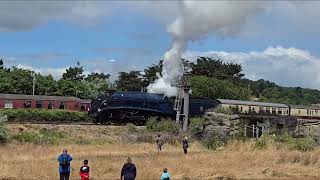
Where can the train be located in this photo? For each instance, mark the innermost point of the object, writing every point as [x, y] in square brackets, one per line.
[138, 107]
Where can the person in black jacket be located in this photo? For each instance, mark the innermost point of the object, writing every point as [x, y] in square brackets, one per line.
[185, 145]
[128, 171]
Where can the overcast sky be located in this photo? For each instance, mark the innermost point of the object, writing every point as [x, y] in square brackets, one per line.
[279, 42]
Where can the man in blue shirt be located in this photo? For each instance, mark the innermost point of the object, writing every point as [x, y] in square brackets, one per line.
[64, 165]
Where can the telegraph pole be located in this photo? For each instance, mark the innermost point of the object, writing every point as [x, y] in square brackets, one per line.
[33, 83]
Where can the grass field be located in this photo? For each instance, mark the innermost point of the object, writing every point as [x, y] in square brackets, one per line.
[237, 160]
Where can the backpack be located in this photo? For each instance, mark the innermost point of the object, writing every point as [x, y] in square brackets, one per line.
[65, 162]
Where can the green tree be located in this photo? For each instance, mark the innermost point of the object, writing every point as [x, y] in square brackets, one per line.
[96, 84]
[129, 81]
[5, 82]
[151, 71]
[210, 67]
[74, 73]
[215, 88]
[1, 64]
[45, 85]
[21, 80]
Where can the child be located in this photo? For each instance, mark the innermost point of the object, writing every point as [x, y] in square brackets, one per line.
[165, 175]
[84, 171]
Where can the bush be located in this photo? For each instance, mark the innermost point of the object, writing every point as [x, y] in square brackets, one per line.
[163, 125]
[44, 136]
[303, 144]
[214, 141]
[223, 110]
[285, 141]
[196, 127]
[4, 133]
[44, 115]
[262, 142]
[131, 127]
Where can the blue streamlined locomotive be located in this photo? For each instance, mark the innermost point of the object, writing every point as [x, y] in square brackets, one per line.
[137, 107]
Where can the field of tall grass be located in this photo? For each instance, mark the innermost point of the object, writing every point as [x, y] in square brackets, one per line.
[31, 152]
[237, 160]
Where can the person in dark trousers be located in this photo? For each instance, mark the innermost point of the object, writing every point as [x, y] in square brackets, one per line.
[84, 171]
[185, 145]
[128, 171]
[64, 165]
[159, 142]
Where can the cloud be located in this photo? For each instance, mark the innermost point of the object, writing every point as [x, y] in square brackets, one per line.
[43, 56]
[55, 72]
[25, 15]
[285, 66]
[124, 50]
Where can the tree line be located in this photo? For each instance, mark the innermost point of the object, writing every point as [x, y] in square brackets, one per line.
[208, 77]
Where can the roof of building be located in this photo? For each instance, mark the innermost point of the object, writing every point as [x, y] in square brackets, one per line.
[37, 97]
[305, 107]
[252, 103]
[86, 101]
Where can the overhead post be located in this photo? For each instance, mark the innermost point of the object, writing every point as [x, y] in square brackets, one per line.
[186, 108]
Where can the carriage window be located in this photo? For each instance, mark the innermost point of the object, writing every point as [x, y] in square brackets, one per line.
[50, 105]
[241, 109]
[268, 109]
[299, 112]
[8, 105]
[62, 105]
[279, 110]
[274, 110]
[260, 108]
[38, 104]
[27, 104]
[249, 108]
[307, 112]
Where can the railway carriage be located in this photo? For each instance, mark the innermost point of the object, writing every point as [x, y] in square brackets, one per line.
[252, 107]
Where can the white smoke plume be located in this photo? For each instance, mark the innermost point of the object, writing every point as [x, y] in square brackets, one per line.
[196, 20]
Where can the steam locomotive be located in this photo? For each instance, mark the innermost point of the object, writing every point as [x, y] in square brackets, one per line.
[138, 107]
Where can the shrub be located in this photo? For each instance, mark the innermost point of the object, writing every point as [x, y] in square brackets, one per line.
[303, 144]
[4, 132]
[262, 142]
[214, 141]
[196, 127]
[163, 125]
[44, 115]
[131, 127]
[45, 136]
[223, 110]
[25, 137]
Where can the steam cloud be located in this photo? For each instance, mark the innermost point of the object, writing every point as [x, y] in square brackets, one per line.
[195, 21]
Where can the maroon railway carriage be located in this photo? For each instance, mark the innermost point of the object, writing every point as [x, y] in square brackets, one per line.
[16, 101]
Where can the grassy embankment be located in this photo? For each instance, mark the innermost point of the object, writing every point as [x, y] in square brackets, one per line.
[107, 147]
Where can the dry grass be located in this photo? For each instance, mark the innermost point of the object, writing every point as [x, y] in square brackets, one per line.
[237, 160]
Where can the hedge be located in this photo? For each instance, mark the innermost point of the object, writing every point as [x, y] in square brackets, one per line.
[44, 115]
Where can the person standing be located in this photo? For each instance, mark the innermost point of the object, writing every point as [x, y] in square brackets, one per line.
[185, 145]
[84, 171]
[159, 142]
[128, 171]
[165, 174]
[64, 165]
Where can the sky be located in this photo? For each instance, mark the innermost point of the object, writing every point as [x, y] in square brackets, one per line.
[279, 41]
